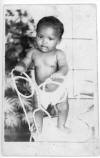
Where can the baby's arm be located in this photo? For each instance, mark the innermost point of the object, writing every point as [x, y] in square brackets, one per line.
[62, 65]
[62, 70]
[24, 64]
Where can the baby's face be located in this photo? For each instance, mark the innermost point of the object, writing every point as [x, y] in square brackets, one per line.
[47, 39]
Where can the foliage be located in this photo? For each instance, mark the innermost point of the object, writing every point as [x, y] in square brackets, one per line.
[13, 112]
[19, 38]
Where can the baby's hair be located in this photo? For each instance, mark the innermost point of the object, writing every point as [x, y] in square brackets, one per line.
[52, 21]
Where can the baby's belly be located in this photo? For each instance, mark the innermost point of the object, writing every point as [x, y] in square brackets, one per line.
[43, 73]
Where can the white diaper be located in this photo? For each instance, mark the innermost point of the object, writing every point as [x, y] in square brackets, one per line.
[57, 96]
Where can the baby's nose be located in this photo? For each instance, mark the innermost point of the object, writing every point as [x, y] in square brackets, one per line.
[44, 41]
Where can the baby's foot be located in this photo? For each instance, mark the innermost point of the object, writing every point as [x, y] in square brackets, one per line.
[65, 129]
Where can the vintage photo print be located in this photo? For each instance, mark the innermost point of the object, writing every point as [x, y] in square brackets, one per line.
[50, 91]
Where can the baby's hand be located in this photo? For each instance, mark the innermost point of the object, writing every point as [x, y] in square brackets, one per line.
[56, 77]
[20, 68]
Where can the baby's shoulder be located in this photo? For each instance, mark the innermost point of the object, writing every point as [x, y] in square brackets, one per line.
[60, 52]
[32, 52]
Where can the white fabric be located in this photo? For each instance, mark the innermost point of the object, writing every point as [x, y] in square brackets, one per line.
[54, 97]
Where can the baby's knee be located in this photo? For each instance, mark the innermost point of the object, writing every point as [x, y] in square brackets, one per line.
[62, 106]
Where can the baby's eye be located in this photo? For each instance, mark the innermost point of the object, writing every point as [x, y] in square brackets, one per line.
[50, 38]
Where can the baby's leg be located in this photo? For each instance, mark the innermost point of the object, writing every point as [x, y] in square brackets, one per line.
[39, 120]
[37, 125]
[63, 109]
[38, 116]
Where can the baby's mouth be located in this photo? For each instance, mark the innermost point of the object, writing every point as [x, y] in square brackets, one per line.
[44, 47]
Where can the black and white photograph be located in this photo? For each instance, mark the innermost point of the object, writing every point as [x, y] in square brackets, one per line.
[50, 80]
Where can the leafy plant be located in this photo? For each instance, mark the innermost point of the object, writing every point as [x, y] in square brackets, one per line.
[19, 38]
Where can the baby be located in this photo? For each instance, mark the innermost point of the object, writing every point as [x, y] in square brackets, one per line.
[48, 61]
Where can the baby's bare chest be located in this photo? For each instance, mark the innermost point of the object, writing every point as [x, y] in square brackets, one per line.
[45, 60]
